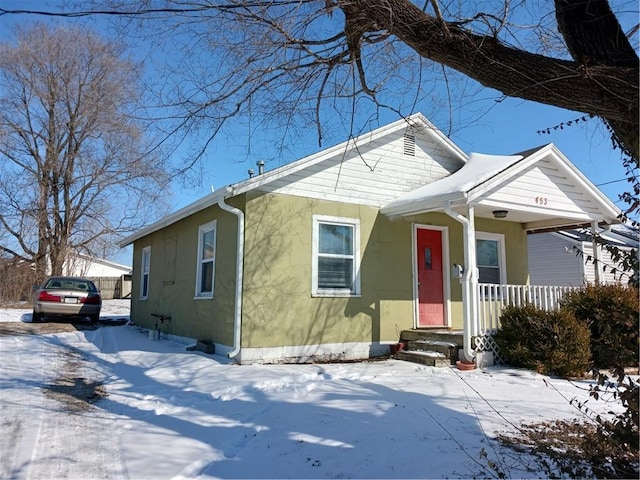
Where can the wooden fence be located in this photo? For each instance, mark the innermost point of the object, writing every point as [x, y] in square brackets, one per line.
[113, 287]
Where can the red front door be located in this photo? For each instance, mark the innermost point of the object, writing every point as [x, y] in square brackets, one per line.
[430, 278]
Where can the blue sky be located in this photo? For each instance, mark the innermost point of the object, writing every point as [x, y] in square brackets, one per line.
[507, 127]
[491, 124]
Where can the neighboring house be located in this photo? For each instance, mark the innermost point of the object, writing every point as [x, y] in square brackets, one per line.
[333, 255]
[86, 266]
[568, 257]
[112, 279]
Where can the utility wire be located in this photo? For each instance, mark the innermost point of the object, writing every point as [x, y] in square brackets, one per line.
[612, 181]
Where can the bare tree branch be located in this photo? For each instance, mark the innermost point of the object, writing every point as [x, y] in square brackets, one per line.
[280, 45]
[69, 147]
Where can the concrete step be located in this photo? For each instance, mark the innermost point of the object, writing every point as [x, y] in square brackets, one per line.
[452, 336]
[448, 349]
[424, 357]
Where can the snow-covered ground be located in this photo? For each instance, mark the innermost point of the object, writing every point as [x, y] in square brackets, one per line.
[165, 412]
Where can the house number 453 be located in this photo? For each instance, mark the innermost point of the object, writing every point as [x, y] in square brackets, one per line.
[541, 200]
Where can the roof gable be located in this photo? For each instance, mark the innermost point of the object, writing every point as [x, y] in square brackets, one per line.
[373, 172]
[85, 265]
[370, 169]
[541, 188]
[547, 184]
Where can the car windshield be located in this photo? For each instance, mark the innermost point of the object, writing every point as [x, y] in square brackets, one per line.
[70, 284]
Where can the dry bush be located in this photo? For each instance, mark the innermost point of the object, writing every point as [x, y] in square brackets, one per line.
[547, 342]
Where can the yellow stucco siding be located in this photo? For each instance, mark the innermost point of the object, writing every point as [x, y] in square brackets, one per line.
[172, 278]
[279, 308]
[456, 255]
[515, 238]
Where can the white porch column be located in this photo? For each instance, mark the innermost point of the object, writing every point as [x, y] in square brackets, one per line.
[469, 279]
[472, 261]
[597, 256]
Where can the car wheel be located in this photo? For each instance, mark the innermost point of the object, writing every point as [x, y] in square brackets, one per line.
[36, 317]
[94, 318]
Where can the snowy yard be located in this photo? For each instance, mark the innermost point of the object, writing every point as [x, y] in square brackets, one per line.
[112, 403]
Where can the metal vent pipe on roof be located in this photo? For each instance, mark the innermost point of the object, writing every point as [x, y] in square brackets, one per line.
[260, 165]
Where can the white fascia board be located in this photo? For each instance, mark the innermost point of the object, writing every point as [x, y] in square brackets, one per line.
[270, 176]
[621, 239]
[566, 236]
[608, 206]
[280, 172]
[608, 209]
[425, 205]
[201, 204]
[109, 263]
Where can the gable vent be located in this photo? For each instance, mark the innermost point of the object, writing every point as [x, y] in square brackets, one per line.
[410, 145]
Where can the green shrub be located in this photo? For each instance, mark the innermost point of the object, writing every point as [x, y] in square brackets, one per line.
[611, 311]
[547, 342]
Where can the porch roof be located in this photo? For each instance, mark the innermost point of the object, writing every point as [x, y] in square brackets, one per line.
[539, 188]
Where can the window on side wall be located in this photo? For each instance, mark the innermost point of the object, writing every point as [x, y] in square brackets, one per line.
[490, 258]
[144, 275]
[206, 260]
[336, 256]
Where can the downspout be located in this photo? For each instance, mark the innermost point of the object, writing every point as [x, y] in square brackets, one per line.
[469, 280]
[237, 321]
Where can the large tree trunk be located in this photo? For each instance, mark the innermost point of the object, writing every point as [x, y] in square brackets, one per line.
[606, 90]
[593, 35]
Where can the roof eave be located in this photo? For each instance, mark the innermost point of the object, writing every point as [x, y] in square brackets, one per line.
[430, 204]
[205, 202]
[280, 172]
[610, 212]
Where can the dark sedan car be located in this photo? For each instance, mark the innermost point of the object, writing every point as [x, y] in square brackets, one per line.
[66, 297]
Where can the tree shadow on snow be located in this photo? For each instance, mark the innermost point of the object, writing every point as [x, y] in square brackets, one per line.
[285, 427]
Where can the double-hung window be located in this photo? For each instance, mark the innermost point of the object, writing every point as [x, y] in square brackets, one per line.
[144, 273]
[490, 258]
[206, 260]
[335, 267]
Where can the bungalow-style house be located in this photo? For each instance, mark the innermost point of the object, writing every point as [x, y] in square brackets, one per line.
[332, 256]
[571, 258]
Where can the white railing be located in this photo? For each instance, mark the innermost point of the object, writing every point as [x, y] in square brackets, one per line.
[492, 298]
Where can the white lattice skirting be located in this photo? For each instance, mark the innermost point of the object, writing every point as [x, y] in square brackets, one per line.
[485, 343]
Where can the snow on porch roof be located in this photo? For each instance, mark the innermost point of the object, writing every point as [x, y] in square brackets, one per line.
[478, 169]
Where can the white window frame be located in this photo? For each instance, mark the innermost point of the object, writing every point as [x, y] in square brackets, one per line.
[202, 229]
[145, 270]
[335, 292]
[502, 259]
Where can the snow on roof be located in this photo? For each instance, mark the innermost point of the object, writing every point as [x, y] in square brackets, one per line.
[617, 235]
[103, 261]
[478, 169]
[626, 231]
